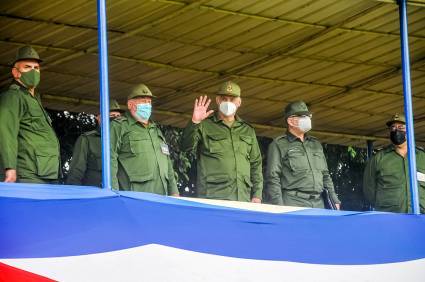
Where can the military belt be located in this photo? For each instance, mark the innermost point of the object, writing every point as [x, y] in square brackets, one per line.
[304, 195]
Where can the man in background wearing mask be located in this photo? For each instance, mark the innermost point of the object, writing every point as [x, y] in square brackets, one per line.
[386, 176]
[29, 148]
[86, 163]
[297, 171]
[140, 156]
[228, 155]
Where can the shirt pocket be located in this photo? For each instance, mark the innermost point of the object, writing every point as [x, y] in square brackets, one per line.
[217, 143]
[47, 163]
[390, 189]
[218, 186]
[297, 160]
[245, 145]
[95, 162]
[319, 160]
[389, 196]
[38, 120]
[136, 144]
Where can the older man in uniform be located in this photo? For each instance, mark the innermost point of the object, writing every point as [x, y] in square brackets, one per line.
[297, 171]
[86, 163]
[140, 156]
[29, 148]
[228, 155]
[386, 176]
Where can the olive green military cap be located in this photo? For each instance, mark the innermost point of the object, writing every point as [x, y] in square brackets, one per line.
[296, 108]
[26, 53]
[396, 118]
[229, 88]
[140, 90]
[114, 106]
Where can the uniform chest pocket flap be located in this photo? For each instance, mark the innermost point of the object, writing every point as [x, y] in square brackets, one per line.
[216, 143]
[38, 120]
[139, 144]
[319, 160]
[245, 144]
[297, 160]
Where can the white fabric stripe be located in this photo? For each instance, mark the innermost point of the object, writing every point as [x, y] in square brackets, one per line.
[245, 205]
[160, 263]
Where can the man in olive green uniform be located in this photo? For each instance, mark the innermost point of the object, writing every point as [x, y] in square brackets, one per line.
[86, 163]
[228, 155]
[386, 176]
[140, 156]
[297, 171]
[29, 148]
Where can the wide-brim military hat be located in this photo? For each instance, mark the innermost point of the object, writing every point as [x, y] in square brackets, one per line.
[26, 53]
[396, 118]
[140, 90]
[229, 88]
[115, 107]
[297, 108]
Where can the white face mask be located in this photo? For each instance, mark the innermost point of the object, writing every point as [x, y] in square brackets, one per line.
[304, 124]
[227, 108]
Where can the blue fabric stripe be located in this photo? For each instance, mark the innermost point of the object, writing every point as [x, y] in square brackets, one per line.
[66, 225]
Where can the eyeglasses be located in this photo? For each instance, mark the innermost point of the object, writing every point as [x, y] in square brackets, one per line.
[397, 126]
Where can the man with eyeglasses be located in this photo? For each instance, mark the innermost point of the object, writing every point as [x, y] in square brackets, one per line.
[297, 172]
[385, 180]
[29, 148]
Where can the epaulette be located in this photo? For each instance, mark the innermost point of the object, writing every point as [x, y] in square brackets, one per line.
[384, 149]
[14, 87]
[280, 137]
[313, 137]
[120, 119]
[247, 123]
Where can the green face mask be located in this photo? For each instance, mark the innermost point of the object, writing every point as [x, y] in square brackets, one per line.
[30, 78]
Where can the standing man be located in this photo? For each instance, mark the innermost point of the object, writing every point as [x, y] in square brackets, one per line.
[29, 148]
[386, 176]
[86, 163]
[140, 156]
[228, 155]
[297, 171]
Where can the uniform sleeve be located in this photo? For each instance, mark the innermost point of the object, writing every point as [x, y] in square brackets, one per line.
[11, 112]
[369, 181]
[115, 137]
[328, 183]
[172, 185]
[78, 164]
[256, 170]
[273, 175]
[190, 137]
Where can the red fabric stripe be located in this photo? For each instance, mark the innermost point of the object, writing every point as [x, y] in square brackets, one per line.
[12, 274]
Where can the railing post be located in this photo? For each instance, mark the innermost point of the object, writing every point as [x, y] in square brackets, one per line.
[405, 61]
[104, 93]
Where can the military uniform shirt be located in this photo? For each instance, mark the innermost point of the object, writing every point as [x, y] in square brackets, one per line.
[228, 159]
[86, 163]
[28, 142]
[297, 169]
[386, 181]
[140, 158]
